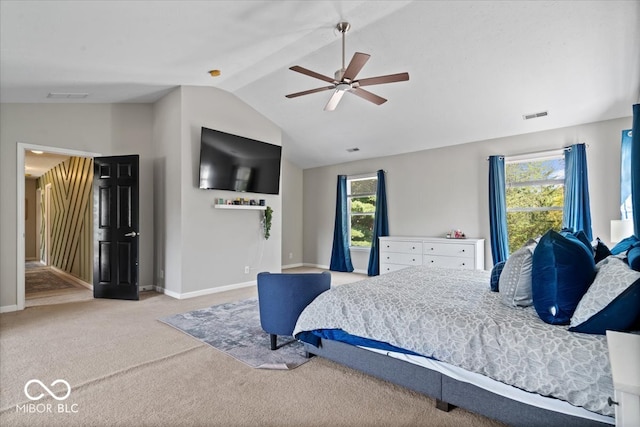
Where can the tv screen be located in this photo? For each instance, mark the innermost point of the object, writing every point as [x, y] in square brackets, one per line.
[235, 163]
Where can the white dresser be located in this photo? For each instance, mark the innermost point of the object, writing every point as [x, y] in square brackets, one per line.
[397, 252]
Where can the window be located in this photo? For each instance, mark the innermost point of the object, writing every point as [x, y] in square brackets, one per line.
[535, 196]
[361, 194]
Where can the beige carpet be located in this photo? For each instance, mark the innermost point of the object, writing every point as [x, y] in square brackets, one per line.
[126, 368]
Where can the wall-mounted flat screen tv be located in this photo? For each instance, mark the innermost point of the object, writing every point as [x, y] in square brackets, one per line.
[235, 163]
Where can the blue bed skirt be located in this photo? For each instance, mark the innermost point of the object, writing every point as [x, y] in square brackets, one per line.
[313, 338]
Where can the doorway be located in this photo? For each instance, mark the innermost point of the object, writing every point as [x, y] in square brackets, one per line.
[22, 148]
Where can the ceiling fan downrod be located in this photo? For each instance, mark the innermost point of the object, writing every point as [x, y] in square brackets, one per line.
[343, 27]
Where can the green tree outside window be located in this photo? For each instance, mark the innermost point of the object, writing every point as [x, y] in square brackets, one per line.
[535, 198]
[362, 206]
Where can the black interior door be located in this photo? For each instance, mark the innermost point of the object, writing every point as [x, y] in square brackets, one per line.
[115, 227]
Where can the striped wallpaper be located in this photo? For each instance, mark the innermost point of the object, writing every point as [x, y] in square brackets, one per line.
[71, 217]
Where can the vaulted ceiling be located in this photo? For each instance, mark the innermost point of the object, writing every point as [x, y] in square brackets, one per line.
[476, 67]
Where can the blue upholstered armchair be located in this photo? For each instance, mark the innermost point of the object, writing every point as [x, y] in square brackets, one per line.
[282, 297]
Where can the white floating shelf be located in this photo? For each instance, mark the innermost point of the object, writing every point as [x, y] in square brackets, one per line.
[247, 207]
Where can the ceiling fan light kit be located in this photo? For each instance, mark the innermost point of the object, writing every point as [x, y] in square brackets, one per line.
[345, 78]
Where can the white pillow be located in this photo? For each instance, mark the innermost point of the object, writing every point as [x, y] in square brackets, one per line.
[515, 280]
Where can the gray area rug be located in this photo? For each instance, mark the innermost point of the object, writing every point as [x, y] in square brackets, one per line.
[234, 328]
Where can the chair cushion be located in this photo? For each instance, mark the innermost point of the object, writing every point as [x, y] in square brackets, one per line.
[283, 296]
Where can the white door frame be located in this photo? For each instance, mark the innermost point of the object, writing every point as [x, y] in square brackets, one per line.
[21, 148]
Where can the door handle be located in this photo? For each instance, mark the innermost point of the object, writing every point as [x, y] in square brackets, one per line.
[132, 234]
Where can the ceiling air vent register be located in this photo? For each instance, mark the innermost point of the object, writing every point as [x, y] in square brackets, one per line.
[535, 115]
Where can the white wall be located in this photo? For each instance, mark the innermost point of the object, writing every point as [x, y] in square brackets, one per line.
[292, 190]
[206, 248]
[195, 247]
[99, 128]
[167, 117]
[432, 191]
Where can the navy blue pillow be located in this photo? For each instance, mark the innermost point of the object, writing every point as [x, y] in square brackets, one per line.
[619, 315]
[496, 271]
[602, 251]
[562, 271]
[580, 236]
[633, 257]
[624, 245]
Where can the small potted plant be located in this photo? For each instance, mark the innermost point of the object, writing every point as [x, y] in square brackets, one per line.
[268, 214]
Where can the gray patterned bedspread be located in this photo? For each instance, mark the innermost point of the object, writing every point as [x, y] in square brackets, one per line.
[452, 316]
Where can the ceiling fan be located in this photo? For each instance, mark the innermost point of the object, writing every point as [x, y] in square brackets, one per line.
[345, 78]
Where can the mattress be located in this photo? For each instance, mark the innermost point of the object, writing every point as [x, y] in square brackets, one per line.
[451, 316]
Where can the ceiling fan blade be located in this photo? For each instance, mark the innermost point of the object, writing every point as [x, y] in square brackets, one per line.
[310, 73]
[356, 64]
[334, 100]
[368, 96]
[391, 78]
[307, 92]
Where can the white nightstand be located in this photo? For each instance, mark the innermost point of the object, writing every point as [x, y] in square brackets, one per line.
[624, 356]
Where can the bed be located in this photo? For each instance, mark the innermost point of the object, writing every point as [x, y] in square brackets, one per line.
[443, 333]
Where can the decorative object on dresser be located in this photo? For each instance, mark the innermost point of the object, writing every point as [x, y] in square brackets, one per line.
[397, 252]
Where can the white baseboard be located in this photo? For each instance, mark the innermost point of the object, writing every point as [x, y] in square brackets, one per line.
[299, 264]
[203, 292]
[8, 308]
[326, 267]
[72, 278]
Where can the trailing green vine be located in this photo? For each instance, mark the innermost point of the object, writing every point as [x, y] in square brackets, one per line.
[268, 213]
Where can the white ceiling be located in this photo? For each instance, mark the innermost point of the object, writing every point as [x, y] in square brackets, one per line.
[475, 66]
[36, 165]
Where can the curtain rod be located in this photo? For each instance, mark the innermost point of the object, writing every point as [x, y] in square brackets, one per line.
[540, 153]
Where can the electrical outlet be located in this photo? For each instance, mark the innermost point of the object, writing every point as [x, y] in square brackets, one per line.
[246, 269]
[290, 255]
[161, 274]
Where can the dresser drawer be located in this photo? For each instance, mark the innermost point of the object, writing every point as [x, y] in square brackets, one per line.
[398, 258]
[400, 246]
[449, 249]
[388, 268]
[449, 262]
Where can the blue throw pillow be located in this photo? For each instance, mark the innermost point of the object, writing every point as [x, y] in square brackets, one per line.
[562, 271]
[601, 251]
[579, 236]
[612, 301]
[624, 245]
[633, 257]
[496, 271]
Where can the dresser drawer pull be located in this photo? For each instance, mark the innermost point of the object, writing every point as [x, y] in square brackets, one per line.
[431, 261]
[463, 250]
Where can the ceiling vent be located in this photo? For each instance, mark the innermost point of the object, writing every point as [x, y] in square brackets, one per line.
[67, 95]
[353, 150]
[535, 115]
